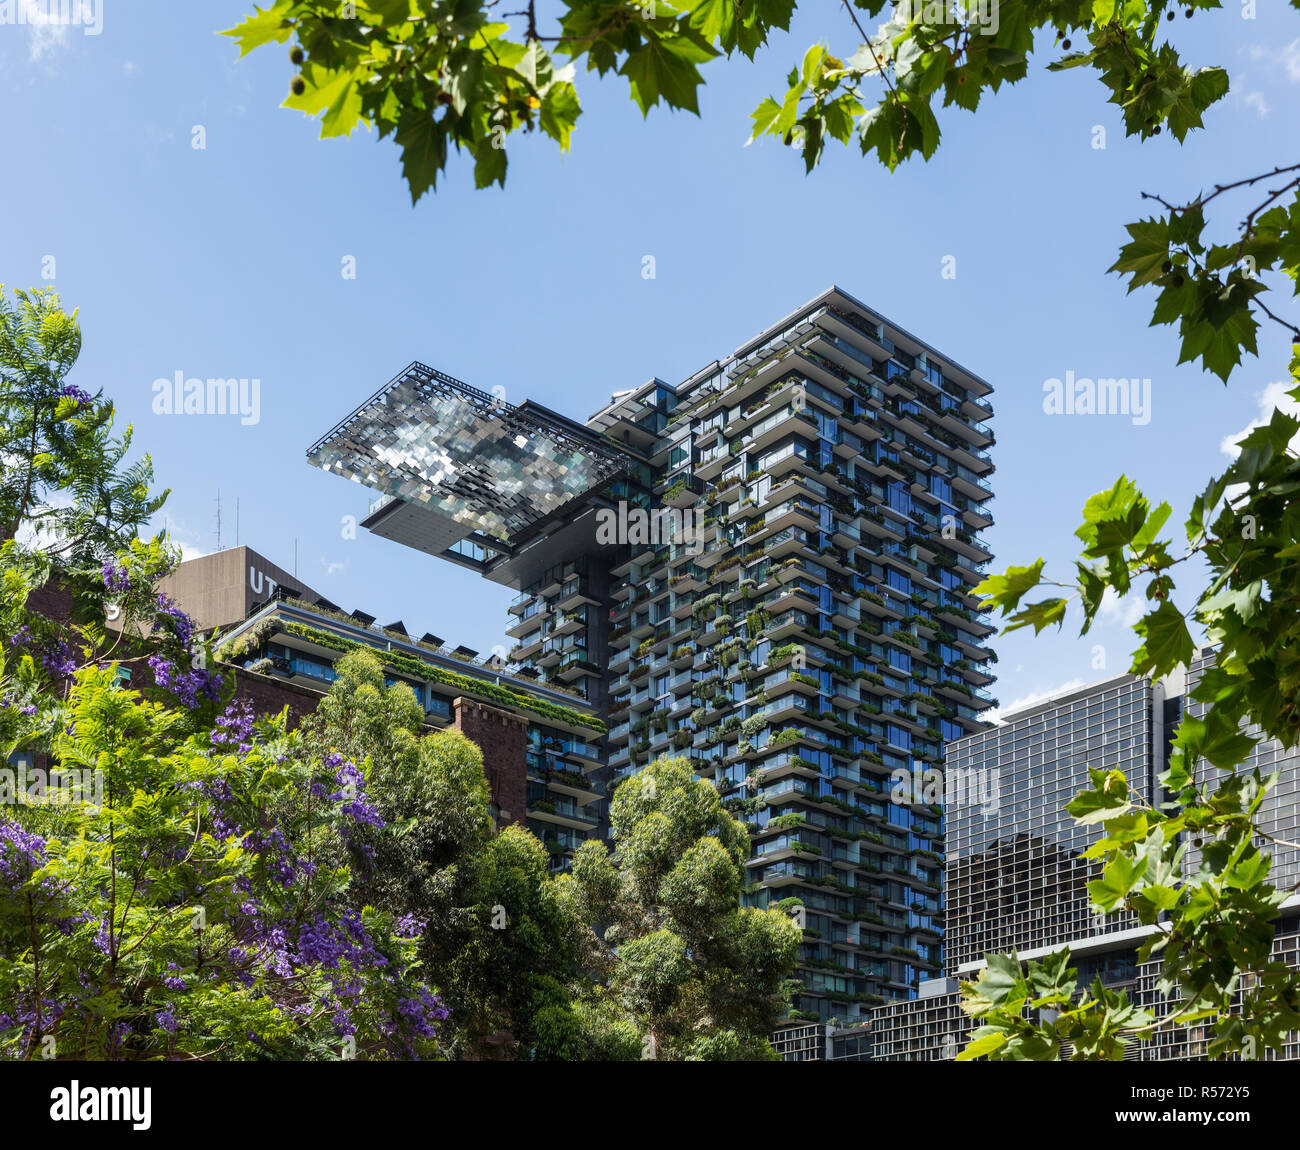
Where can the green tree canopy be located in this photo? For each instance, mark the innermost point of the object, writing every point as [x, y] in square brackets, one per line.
[503, 934]
[698, 975]
[62, 482]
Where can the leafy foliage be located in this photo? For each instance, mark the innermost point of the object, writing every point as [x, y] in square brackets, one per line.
[181, 892]
[1212, 908]
[57, 438]
[491, 917]
[174, 878]
[443, 75]
[700, 977]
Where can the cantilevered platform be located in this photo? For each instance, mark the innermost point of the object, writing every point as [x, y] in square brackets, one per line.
[468, 474]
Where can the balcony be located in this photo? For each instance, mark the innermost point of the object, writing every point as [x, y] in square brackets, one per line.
[562, 812]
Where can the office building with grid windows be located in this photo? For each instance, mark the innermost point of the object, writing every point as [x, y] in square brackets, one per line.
[1279, 814]
[1016, 878]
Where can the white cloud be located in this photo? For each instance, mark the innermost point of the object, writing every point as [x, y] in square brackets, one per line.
[1273, 396]
[1290, 57]
[1123, 612]
[188, 550]
[179, 535]
[45, 35]
[49, 23]
[331, 567]
[995, 715]
[1256, 100]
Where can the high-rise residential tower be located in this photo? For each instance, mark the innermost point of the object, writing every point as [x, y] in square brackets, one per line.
[766, 569]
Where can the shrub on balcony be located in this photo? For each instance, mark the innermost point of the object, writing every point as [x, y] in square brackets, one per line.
[803, 1015]
[251, 640]
[780, 654]
[427, 671]
[790, 819]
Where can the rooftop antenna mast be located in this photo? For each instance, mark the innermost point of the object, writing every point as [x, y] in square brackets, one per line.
[218, 519]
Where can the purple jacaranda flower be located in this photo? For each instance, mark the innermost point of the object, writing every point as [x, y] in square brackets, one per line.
[21, 852]
[116, 578]
[58, 660]
[235, 726]
[181, 624]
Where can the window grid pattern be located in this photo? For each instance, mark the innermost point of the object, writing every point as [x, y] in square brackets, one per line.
[1279, 814]
[1016, 875]
[924, 1030]
[1188, 1043]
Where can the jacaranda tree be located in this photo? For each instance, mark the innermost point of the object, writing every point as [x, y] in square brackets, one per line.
[173, 876]
[502, 932]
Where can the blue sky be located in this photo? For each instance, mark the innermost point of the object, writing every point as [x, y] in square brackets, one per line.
[226, 261]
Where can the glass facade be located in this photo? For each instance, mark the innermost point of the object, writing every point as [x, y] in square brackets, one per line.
[1017, 878]
[491, 467]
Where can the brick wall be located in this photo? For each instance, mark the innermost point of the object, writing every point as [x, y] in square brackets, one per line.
[502, 737]
[269, 696]
[52, 600]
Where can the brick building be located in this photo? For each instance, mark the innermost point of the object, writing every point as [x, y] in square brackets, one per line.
[541, 744]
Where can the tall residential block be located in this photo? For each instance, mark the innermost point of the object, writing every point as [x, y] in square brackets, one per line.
[765, 568]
